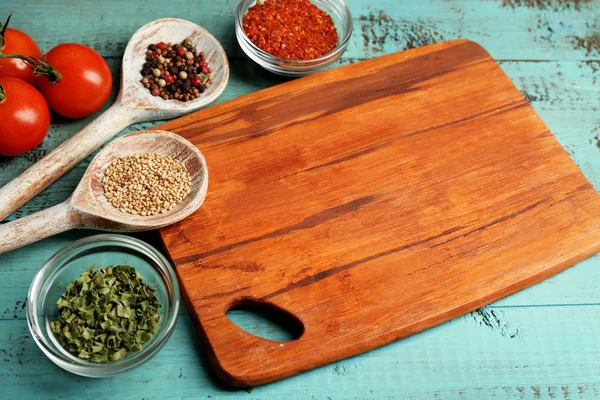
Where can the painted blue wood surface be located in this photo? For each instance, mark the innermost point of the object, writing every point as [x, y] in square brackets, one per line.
[541, 343]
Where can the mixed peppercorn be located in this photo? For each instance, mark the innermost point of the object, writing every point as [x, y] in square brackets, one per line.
[176, 71]
[290, 29]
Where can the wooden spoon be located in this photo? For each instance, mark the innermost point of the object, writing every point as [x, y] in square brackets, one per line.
[134, 104]
[89, 208]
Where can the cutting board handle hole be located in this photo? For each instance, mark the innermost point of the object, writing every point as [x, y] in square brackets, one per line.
[265, 320]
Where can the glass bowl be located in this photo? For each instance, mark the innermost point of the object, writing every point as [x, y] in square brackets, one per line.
[68, 264]
[339, 12]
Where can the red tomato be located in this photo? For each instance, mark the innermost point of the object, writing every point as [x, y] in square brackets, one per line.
[25, 117]
[17, 42]
[85, 84]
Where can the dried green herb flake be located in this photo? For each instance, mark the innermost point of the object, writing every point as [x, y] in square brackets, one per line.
[105, 314]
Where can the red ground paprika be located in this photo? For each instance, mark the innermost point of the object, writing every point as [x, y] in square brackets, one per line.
[291, 29]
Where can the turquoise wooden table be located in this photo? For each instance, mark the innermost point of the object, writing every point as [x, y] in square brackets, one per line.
[541, 343]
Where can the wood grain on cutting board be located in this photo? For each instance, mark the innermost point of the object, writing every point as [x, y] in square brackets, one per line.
[371, 202]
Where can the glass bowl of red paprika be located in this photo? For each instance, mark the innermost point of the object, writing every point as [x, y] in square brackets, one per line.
[297, 63]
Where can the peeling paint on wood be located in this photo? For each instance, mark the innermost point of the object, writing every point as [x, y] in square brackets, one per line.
[590, 43]
[31, 157]
[547, 5]
[596, 139]
[383, 23]
[493, 319]
[379, 28]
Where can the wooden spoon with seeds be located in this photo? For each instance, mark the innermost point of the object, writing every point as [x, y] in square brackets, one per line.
[134, 104]
[89, 208]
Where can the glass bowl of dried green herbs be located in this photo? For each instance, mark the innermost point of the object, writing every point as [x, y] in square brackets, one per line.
[103, 305]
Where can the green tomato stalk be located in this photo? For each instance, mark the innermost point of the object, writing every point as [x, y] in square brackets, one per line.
[39, 67]
[3, 31]
[2, 94]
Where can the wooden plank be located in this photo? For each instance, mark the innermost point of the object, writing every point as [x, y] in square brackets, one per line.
[552, 356]
[573, 287]
[509, 29]
[563, 93]
[107, 26]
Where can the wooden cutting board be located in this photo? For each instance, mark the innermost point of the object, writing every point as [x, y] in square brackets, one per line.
[371, 202]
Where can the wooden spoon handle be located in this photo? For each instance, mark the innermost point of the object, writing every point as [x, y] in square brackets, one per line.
[38, 226]
[39, 176]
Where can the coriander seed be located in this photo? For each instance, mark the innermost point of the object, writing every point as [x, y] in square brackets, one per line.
[146, 184]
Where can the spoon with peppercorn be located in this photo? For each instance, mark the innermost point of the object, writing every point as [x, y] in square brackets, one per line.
[185, 69]
[172, 184]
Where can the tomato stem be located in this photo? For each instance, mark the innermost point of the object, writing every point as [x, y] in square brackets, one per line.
[39, 67]
[3, 30]
[2, 95]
